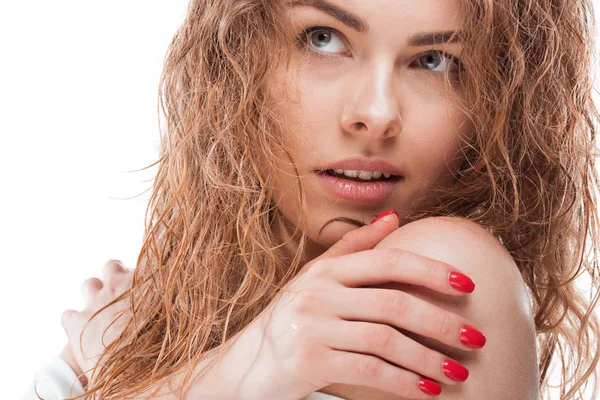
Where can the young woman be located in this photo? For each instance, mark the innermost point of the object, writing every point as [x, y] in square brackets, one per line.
[291, 124]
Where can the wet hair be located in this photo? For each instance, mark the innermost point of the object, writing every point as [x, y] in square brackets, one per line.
[210, 261]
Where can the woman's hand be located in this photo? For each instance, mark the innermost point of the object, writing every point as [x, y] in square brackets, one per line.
[335, 329]
[332, 329]
[97, 293]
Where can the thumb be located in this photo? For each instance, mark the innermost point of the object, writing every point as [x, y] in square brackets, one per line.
[366, 237]
[69, 321]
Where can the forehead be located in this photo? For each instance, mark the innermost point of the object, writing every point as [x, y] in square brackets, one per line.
[367, 16]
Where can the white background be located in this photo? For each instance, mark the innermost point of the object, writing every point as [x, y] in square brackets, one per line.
[79, 84]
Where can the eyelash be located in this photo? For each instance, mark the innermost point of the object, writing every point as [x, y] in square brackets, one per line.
[304, 36]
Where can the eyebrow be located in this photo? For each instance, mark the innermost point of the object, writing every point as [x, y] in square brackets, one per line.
[360, 25]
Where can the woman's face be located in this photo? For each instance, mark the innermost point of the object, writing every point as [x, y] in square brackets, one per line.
[365, 89]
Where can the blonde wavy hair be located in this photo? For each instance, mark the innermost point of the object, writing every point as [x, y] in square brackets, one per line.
[210, 261]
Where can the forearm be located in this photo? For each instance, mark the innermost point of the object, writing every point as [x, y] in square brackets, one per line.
[207, 379]
[238, 376]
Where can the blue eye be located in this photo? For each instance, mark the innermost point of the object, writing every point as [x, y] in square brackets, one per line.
[317, 38]
[437, 58]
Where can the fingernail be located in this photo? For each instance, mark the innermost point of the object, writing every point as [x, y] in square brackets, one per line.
[472, 337]
[383, 214]
[429, 387]
[454, 370]
[461, 282]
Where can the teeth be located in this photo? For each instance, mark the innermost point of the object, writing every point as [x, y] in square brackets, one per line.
[365, 175]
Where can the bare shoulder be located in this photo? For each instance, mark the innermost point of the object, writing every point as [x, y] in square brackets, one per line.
[499, 306]
[506, 367]
[467, 246]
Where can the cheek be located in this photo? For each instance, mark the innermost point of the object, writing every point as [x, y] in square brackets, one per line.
[305, 119]
[435, 146]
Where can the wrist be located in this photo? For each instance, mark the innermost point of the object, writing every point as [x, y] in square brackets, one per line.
[67, 355]
[227, 378]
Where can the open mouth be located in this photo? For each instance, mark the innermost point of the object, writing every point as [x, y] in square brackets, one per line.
[330, 172]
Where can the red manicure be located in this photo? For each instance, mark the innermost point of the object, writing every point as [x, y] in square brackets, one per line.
[472, 337]
[455, 371]
[383, 214]
[429, 387]
[461, 282]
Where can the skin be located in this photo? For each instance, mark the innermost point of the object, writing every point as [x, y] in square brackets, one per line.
[500, 307]
[116, 279]
[505, 368]
[374, 98]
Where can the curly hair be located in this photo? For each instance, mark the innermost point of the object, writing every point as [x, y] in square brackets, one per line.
[210, 262]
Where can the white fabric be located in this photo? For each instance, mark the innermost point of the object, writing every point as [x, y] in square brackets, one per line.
[321, 396]
[57, 381]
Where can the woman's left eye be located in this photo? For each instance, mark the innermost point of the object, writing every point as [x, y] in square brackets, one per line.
[437, 58]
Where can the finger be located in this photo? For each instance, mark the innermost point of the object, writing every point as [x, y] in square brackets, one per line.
[69, 320]
[116, 285]
[112, 267]
[364, 238]
[378, 266]
[116, 276]
[90, 288]
[366, 370]
[360, 239]
[405, 311]
[387, 343]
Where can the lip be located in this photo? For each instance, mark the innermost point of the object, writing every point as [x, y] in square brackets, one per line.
[362, 164]
[362, 192]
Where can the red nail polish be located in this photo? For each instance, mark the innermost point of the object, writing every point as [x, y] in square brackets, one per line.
[383, 214]
[472, 337]
[429, 387]
[461, 282]
[454, 370]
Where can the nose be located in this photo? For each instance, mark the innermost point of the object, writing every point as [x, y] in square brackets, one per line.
[372, 109]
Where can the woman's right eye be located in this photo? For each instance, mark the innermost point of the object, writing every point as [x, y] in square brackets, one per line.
[316, 38]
